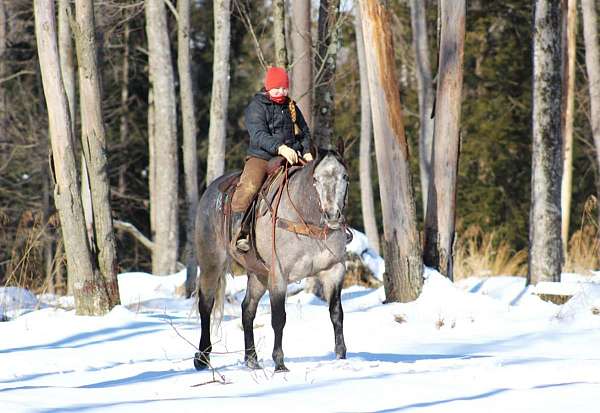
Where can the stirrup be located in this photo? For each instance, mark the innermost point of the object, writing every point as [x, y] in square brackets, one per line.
[242, 245]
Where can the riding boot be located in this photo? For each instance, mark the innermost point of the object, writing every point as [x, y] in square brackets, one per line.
[239, 232]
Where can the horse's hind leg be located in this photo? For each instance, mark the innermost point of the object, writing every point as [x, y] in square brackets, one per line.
[254, 291]
[332, 281]
[210, 290]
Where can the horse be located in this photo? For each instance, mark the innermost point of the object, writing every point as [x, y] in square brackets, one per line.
[313, 198]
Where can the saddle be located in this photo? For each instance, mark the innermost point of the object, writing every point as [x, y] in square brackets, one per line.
[251, 260]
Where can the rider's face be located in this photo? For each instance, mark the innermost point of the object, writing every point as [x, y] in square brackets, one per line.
[279, 91]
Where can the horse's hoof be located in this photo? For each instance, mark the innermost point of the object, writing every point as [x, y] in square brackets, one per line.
[201, 361]
[253, 364]
[281, 369]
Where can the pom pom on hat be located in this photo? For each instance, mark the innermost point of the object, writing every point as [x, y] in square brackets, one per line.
[276, 77]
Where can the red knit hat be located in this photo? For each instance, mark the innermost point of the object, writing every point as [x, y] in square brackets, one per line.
[276, 77]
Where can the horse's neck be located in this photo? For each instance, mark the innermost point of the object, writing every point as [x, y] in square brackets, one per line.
[304, 198]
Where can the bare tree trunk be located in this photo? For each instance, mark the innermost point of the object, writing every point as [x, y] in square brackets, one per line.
[545, 246]
[67, 60]
[123, 124]
[325, 64]
[94, 149]
[366, 128]
[302, 70]
[47, 240]
[3, 44]
[66, 194]
[153, 192]
[441, 208]
[403, 279]
[215, 164]
[425, 87]
[281, 56]
[569, 30]
[592, 63]
[166, 239]
[190, 164]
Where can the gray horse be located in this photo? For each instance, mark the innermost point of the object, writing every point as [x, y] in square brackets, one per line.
[314, 198]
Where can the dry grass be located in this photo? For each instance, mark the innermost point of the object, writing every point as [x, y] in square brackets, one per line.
[479, 254]
[584, 245]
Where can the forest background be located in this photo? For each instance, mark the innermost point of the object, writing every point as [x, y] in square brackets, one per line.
[494, 179]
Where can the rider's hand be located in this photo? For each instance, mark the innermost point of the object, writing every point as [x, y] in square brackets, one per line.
[308, 157]
[288, 153]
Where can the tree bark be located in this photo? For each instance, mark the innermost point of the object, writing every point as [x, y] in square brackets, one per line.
[281, 55]
[366, 129]
[425, 94]
[67, 60]
[592, 63]
[123, 122]
[441, 208]
[302, 67]
[215, 164]
[164, 202]
[569, 30]
[403, 279]
[545, 246]
[190, 164]
[325, 64]
[94, 149]
[3, 44]
[66, 193]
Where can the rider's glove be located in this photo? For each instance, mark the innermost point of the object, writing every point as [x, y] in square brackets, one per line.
[288, 153]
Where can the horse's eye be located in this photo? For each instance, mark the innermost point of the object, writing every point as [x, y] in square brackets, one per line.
[345, 177]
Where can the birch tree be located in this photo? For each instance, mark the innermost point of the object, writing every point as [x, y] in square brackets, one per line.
[302, 67]
[425, 93]
[190, 163]
[366, 130]
[86, 289]
[281, 55]
[215, 164]
[592, 64]
[545, 246]
[325, 64]
[94, 148]
[403, 279]
[569, 30]
[441, 201]
[164, 141]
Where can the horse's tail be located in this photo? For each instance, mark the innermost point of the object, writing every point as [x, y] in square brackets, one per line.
[219, 305]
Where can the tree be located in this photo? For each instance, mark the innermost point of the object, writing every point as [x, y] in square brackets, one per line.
[164, 141]
[592, 63]
[403, 279]
[94, 149]
[545, 249]
[215, 164]
[86, 289]
[425, 93]
[302, 70]
[441, 201]
[281, 55]
[569, 34]
[188, 118]
[325, 64]
[3, 43]
[366, 128]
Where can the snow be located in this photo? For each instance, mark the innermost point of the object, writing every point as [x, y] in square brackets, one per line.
[480, 344]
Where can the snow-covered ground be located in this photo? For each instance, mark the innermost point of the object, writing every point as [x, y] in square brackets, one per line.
[480, 345]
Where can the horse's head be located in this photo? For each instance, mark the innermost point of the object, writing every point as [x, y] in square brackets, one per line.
[330, 179]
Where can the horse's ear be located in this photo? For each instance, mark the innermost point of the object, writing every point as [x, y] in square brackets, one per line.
[341, 146]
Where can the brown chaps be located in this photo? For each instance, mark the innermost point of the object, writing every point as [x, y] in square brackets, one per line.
[253, 176]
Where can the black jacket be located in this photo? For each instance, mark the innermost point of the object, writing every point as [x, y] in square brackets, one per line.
[270, 126]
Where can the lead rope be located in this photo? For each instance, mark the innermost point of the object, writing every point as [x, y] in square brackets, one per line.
[274, 219]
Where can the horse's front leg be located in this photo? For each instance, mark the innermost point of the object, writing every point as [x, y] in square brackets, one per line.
[332, 281]
[254, 291]
[277, 292]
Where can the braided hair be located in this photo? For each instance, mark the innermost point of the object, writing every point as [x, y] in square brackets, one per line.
[292, 108]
